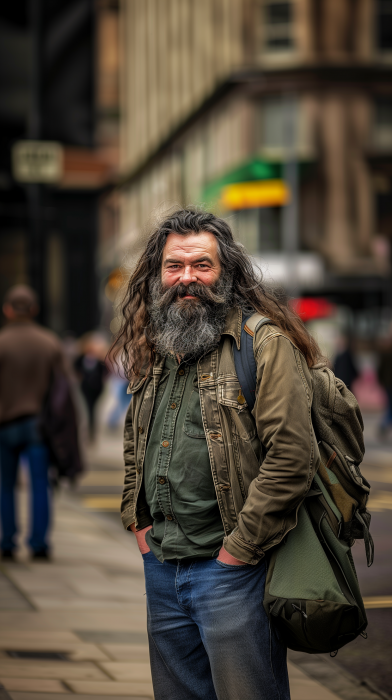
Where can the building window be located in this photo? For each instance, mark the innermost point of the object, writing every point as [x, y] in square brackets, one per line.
[278, 25]
[384, 25]
[382, 123]
[259, 230]
[280, 127]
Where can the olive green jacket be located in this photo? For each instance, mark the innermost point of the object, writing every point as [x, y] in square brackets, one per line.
[262, 462]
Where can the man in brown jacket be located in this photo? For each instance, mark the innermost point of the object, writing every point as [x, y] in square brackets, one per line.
[210, 485]
[29, 357]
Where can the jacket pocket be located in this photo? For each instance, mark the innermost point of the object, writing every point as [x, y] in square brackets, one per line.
[230, 394]
[242, 421]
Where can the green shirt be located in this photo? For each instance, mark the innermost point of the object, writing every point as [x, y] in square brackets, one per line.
[177, 476]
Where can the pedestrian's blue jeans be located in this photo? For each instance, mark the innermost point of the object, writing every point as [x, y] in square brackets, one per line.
[387, 417]
[17, 437]
[119, 388]
[209, 635]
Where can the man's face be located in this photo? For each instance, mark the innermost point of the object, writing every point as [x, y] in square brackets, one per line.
[190, 259]
[191, 298]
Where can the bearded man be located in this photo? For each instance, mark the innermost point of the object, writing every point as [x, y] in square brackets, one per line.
[211, 486]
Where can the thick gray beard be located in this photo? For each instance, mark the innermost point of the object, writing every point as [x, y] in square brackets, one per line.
[189, 329]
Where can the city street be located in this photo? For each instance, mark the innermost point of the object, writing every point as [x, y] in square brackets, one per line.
[77, 625]
[162, 164]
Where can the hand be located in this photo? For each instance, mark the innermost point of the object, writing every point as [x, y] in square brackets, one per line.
[141, 538]
[226, 558]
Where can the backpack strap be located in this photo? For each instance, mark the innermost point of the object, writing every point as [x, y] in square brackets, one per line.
[244, 359]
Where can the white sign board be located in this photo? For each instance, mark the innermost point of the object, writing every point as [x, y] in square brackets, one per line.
[305, 269]
[37, 161]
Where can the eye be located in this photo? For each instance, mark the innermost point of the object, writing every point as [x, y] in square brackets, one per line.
[203, 266]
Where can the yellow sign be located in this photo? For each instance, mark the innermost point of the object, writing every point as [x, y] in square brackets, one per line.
[251, 195]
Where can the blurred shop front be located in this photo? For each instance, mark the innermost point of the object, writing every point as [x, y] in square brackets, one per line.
[57, 152]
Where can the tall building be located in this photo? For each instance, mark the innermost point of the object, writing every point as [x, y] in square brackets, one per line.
[276, 114]
[59, 106]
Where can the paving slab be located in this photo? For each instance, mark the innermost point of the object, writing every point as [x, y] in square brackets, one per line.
[324, 670]
[304, 688]
[125, 652]
[128, 670]
[113, 637]
[20, 668]
[37, 685]
[113, 689]
[10, 597]
[11, 638]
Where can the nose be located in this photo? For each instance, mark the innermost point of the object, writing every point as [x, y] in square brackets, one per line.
[188, 276]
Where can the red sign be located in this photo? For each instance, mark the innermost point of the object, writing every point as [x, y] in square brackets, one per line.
[310, 308]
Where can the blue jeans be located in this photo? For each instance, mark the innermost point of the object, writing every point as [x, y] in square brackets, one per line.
[209, 635]
[387, 418]
[15, 438]
[119, 390]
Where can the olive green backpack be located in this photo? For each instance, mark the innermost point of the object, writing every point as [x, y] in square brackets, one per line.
[312, 596]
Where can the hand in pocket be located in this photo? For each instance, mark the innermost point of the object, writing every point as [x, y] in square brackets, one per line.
[226, 558]
[141, 538]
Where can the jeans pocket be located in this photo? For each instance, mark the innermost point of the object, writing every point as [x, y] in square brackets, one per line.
[232, 566]
[147, 553]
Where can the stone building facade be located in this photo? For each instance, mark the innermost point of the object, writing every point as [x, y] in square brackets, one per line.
[211, 86]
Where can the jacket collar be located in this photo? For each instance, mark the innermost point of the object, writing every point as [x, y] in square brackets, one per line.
[233, 325]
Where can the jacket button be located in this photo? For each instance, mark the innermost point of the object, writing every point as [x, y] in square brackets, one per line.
[165, 443]
[138, 470]
[173, 406]
[181, 372]
[141, 430]
[162, 480]
[241, 399]
[169, 517]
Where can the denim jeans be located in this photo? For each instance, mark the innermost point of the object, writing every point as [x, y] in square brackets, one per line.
[209, 635]
[387, 417]
[15, 438]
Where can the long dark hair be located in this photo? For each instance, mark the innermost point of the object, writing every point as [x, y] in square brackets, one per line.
[132, 345]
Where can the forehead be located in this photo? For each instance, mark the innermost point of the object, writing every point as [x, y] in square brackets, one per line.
[191, 245]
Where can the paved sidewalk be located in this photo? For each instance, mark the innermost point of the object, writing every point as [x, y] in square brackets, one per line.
[77, 626]
[79, 623]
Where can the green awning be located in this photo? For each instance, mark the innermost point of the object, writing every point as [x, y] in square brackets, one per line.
[255, 169]
[251, 170]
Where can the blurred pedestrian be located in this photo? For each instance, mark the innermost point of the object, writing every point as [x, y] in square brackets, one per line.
[92, 372]
[33, 395]
[344, 365]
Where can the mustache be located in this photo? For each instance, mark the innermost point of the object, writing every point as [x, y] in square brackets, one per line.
[207, 295]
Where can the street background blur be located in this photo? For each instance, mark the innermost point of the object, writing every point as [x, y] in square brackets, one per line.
[276, 115]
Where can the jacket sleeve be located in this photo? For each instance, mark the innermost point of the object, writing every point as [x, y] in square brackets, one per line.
[282, 413]
[128, 506]
[127, 503]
